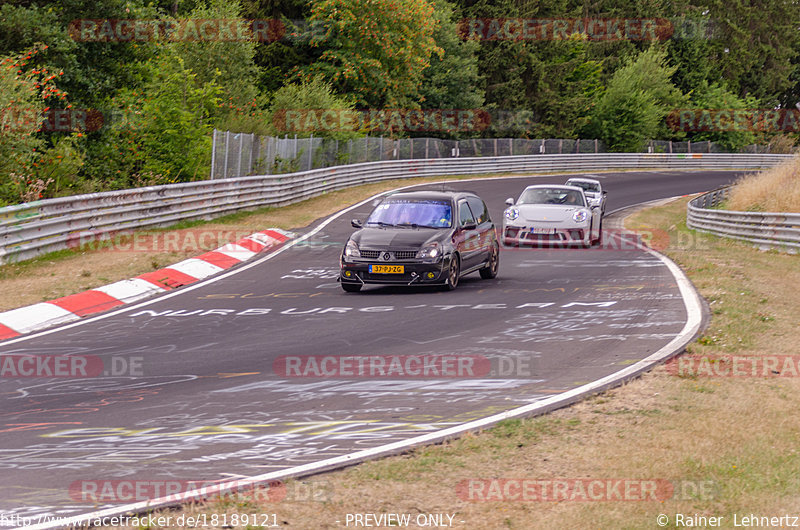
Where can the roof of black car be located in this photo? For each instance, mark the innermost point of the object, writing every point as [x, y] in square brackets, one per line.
[431, 194]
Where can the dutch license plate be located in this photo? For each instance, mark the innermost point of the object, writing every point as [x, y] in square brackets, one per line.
[386, 269]
[543, 231]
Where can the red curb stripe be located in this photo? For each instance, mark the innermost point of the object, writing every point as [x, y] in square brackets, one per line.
[277, 235]
[250, 244]
[219, 259]
[168, 278]
[86, 303]
[7, 333]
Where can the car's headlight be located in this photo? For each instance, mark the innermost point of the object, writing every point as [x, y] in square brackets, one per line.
[580, 216]
[351, 250]
[429, 251]
[512, 214]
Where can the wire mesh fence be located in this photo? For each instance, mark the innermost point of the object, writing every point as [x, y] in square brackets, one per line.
[240, 154]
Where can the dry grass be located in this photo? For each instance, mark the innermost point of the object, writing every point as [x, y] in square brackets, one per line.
[738, 435]
[773, 190]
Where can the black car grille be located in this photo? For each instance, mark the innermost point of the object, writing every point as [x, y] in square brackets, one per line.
[398, 254]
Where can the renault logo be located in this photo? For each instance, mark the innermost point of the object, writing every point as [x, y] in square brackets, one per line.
[386, 256]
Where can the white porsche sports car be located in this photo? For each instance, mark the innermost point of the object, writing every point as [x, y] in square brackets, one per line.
[593, 190]
[552, 215]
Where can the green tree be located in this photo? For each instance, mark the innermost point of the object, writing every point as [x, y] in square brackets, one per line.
[717, 97]
[634, 106]
[376, 50]
[92, 70]
[230, 64]
[293, 107]
[162, 131]
[754, 45]
[452, 81]
[27, 93]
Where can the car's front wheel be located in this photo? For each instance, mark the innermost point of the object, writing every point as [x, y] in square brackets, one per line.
[351, 287]
[599, 240]
[490, 270]
[453, 272]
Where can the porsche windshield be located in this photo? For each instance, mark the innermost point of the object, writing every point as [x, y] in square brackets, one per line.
[422, 213]
[587, 186]
[552, 196]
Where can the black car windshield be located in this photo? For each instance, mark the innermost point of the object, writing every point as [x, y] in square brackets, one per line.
[587, 186]
[427, 213]
[552, 196]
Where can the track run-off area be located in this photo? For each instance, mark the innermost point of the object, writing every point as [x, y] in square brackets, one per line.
[212, 382]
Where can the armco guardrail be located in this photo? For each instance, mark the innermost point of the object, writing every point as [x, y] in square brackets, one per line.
[767, 230]
[30, 229]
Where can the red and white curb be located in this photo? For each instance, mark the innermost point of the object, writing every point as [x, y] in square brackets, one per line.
[73, 307]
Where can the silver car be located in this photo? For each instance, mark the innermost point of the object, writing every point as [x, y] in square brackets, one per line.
[551, 215]
[593, 190]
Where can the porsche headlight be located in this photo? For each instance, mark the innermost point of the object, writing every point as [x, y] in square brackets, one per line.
[512, 214]
[429, 251]
[580, 216]
[351, 250]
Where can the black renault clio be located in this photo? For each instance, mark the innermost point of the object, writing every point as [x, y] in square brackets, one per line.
[421, 237]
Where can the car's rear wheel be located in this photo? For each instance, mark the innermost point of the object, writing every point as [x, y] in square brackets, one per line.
[351, 287]
[453, 272]
[490, 270]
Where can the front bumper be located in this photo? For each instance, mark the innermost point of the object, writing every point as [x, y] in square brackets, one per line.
[415, 272]
[556, 236]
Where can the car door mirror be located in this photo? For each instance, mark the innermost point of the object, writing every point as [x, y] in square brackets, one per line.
[605, 192]
[469, 226]
[355, 223]
[509, 202]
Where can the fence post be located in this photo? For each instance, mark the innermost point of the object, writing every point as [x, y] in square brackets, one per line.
[310, 151]
[213, 151]
[381, 148]
[270, 158]
[688, 146]
[252, 148]
[239, 164]
[227, 146]
[560, 146]
[495, 146]
[426, 147]
[595, 146]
